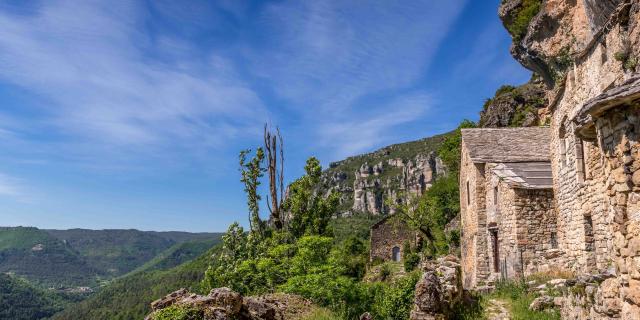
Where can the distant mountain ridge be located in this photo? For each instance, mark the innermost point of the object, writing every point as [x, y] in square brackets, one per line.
[80, 257]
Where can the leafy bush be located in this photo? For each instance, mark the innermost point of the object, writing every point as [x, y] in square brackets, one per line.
[449, 150]
[411, 261]
[179, 313]
[519, 19]
[395, 301]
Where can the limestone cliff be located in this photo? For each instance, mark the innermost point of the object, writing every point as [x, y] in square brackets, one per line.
[368, 182]
[549, 36]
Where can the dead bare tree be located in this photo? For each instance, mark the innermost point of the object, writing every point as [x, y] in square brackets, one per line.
[273, 144]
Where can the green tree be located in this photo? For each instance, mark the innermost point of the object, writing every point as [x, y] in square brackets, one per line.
[449, 151]
[251, 172]
[309, 212]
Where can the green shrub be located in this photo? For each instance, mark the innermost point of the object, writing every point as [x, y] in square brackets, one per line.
[411, 261]
[520, 17]
[385, 271]
[179, 313]
[395, 301]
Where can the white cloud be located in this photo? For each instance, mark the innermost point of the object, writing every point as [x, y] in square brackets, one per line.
[10, 187]
[373, 129]
[90, 62]
[333, 60]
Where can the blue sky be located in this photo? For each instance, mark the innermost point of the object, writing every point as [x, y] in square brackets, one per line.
[130, 114]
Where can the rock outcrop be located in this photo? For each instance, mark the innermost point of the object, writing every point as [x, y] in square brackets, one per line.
[522, 106]
[439, 289]
[369, 183]
[373, 189]
[223, 303]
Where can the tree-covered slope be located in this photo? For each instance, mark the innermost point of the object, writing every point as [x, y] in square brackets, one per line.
[117, 252]
[43, 259]
[21, 301]
[129, 297]
[84, 258]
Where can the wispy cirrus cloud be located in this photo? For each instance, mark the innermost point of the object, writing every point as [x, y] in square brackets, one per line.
[105, 85]
[11, 187]
[350, 137]
[336, 62]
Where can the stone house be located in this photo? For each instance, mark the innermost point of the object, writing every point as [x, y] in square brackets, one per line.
[588, 53]
[506, 204]
[388, 239]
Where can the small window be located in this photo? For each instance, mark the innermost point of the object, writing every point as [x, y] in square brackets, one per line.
[395, 254]
[468, 194]
[563, 152]
[495, 195]
[580, 166]
[554, 240]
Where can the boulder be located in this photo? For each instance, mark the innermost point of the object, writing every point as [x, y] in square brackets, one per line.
[169, 299]
[542, 303]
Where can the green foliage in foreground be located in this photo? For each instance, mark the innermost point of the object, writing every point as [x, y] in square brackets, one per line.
[305, 259]
[20, 300]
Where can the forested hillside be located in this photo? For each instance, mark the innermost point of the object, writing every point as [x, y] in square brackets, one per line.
[129, 297]
[21, 301]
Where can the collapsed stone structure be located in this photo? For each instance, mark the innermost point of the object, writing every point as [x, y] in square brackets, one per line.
[506, 204]
[388, 239]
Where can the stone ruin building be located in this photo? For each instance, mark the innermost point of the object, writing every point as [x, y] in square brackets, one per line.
[506, 204]
[388, 239]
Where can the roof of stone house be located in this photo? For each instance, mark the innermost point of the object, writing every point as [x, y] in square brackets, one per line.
[383, 220]
[529, 144]
[525, 175]
[626, 93]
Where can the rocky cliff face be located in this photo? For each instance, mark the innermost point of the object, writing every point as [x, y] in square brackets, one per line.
[522, 106]
[549, 36]
[368, 183]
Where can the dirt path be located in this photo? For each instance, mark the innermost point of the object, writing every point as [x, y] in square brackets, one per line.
[497, 310]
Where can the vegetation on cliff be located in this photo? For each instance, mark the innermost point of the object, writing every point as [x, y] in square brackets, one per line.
[518, 19]
[340, 176]
[515, 106]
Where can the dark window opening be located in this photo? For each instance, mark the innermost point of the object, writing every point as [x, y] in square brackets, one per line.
[554, 240]
[395, 254]
[468, 194]
[588, 233]
[495, 195]
[496, 250]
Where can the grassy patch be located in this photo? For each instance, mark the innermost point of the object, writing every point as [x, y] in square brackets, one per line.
[321, 314]
[518, 299]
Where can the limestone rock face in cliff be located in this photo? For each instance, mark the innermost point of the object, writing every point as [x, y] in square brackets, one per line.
[368, 183]
[548, 35]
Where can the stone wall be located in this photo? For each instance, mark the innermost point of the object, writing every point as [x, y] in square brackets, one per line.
[389, 233]
[593, 177]
[536, 229]
[475, 263]
[525, 221]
